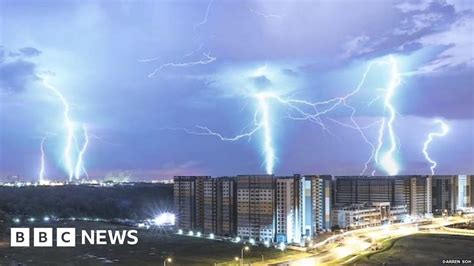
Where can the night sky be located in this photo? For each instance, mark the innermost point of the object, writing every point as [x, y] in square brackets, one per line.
[141, 75]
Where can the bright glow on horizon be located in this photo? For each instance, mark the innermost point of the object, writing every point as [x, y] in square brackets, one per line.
[165, 218]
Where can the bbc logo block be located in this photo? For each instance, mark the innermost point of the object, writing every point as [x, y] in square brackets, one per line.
[43, 237]
[66, 237]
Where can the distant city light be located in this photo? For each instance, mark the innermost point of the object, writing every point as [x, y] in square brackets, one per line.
[252, 241]
[237, 239]
[165, 218]
[180, 231]
[191, 233]
[31, 219]
[211, 236]
[46, 219]
[16, 220]
[198, 234]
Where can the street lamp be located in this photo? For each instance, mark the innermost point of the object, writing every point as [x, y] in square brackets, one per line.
[246, 248]
[167, 260]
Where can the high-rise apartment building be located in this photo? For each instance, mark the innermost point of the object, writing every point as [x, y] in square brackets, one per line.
[189, 201]
[465, 192]
[256, 207]
[445, 193]
[210, 201]
[288, 214]
[303, 207]
[220, 206]
[411, 191]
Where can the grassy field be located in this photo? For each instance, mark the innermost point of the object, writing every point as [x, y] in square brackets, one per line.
[152, 248]
[423, 249]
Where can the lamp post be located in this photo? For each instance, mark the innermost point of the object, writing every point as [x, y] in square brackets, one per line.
[246, 248]
[169, 260]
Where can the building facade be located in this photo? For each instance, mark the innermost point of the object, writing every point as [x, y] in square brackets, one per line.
[358, 216]
[445, 194]
[414, 192]
[256, 207]
[288, 209]
[220, 208]
[188, 194]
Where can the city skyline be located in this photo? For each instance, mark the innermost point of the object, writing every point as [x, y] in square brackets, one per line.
[159, 89]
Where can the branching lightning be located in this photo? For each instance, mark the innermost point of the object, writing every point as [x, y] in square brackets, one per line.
[444, 130]
[387, 160]
[298, 110]
[207, 58]
[80, 169]
[70, 128]
[69, 125]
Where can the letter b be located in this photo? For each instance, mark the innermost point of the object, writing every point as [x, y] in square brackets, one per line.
[43, 237]
[19, 237]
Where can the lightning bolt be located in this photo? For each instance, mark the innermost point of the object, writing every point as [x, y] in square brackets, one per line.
[80, 169]
[42, 161]
[70, 128]
[387, 160]
[315, 112]
[269, 151]
[265, 15]
[203, 61]
[444, 130]
[261, 120]
[206, 15]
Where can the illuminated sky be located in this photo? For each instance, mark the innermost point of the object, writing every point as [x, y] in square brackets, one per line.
[207, 59]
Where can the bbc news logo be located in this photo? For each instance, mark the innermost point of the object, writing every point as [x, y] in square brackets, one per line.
[66, 237]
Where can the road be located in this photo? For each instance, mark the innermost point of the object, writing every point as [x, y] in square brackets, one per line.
[345, 247]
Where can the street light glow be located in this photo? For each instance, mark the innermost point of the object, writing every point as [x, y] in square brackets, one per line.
[165, 218]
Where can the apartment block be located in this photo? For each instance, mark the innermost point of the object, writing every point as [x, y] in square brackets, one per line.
[414, 192]
[189, 201]
[220, 208]
[445, 193]
[288, 215]
[256, 207]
